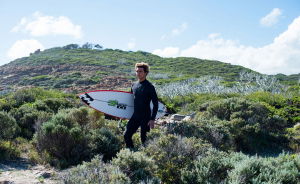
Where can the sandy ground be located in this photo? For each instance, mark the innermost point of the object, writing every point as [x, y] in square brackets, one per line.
[22, 172]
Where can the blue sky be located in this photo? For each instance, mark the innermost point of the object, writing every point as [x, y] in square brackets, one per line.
[263, 35]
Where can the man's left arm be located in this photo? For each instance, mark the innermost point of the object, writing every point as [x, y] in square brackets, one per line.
[154, 100]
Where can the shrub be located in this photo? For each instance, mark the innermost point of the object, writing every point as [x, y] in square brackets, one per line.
[154, 133]
[234, 108]
[172, 153]
[237, 168]
[253, 128]
[80, 116]
[214, 131]
[283, 169]
[136, 165]
[275, 100]
[209, 168]
[288, 108]
[187, 129]
[8, 126]
[104, 142]
[8, 150]
[5, 105]
[63, 139]
[53, 104]
[292, 110]
[293, 135]
[95, 172]
[23, 96]
[26, 117]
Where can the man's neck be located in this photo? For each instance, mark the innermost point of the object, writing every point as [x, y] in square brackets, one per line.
[141, 80]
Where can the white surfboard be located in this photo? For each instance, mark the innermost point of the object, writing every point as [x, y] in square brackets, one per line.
[115, 103]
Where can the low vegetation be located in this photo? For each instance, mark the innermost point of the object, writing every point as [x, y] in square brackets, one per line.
[246, 127]
[234, 138]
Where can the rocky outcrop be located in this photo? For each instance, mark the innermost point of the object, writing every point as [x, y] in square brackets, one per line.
[14, 75]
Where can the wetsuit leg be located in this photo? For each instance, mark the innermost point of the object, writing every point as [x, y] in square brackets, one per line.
[144, 129]
[131, 128]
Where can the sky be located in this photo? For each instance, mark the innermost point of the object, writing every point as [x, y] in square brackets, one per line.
[263, 35]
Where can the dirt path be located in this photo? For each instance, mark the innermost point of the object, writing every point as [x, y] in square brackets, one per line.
[23, 172]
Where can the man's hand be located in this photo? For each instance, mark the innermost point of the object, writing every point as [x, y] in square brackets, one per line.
[151, 124]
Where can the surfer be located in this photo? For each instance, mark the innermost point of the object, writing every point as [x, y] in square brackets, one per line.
[144, 92]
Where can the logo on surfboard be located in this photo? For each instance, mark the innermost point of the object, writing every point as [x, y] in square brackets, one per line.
[116, 103]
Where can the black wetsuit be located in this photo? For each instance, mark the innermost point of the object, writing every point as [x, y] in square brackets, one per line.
[144, 92]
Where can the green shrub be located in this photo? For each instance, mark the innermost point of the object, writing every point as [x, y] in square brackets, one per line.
[251, 124]
[23, 96]
[292, 110]
[80, 116]
[63, 139]
[8, 150]
[54, 99]
[234, 108]
[209, 168]
[246, 170]
[214, 131]
[154, 133]
[53, 104]
[172, 153]
[28, 150]
[104, 142]
[283, 169]
[8, 126]
[95, 172]
[293, 135]
[6, 105]
[275, 100]
[187, 129]
[236, 168]
[136, 165]
[27, 117]
[286, 107]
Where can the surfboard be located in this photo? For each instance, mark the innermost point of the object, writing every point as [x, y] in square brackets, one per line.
[115, 103]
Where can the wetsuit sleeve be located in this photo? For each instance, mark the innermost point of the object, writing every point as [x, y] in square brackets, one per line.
[154, 101]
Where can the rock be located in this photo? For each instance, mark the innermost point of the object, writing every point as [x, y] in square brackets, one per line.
[45, 175]
[179, 117]
[6, 182]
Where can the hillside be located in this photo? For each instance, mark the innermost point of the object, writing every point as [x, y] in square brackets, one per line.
[75, 68]
[239, 126]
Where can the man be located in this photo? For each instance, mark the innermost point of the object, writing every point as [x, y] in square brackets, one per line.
[144, 92]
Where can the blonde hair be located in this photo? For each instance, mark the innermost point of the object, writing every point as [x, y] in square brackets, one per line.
[143, 65]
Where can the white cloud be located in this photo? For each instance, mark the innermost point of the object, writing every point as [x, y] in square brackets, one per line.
[167, 52]
[22, 48]
[271, 18]
[281, 56]
[175, 32]
[131, 45]
[179, 30]
[41, 25]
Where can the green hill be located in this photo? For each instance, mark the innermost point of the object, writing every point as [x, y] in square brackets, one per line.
[72, 67]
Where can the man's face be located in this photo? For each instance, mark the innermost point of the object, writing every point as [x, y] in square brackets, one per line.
[140, 73]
